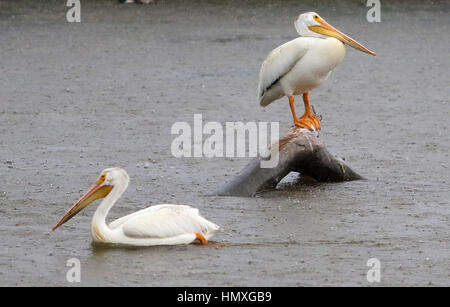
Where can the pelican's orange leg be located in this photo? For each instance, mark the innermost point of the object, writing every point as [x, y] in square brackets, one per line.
[201, 238]
[308, 120]
[308, 114]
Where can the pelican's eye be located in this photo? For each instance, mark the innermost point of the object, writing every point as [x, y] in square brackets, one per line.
[101, 179]
[316, 17]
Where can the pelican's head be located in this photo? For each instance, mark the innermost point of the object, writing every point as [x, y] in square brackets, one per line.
[312, 25]
[100, 189]
[114, 175]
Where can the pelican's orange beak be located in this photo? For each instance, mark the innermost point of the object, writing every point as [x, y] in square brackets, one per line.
[326, 29]
[95, 192]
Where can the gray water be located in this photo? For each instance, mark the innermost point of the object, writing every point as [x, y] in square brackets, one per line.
[77, 98]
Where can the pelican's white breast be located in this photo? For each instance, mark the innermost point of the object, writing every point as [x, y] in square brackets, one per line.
[164, 224]
[314, 67]
[298, 66]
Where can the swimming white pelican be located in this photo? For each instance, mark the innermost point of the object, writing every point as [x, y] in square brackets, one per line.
[301, 64]
[155, 225]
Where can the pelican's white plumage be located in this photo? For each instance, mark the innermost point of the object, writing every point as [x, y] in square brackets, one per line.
[298, 66]
[178, 223]
[302, 64]
[277, 64]
[164, 224]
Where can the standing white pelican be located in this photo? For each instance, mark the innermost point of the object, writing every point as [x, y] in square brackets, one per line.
[155, 225]
[301, 64]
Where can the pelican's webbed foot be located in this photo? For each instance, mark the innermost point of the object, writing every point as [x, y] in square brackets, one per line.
[308, 121]
[201, 238]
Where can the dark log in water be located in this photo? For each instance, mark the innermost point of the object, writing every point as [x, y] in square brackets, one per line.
[299, 151]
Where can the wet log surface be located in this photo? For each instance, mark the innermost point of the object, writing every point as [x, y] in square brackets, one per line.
[300, 150]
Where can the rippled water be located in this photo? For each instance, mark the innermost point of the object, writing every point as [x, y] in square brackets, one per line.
[77, 98]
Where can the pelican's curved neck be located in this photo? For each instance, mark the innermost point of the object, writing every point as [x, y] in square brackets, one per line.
[99, 229]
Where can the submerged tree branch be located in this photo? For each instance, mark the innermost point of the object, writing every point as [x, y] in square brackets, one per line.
[300, 151]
